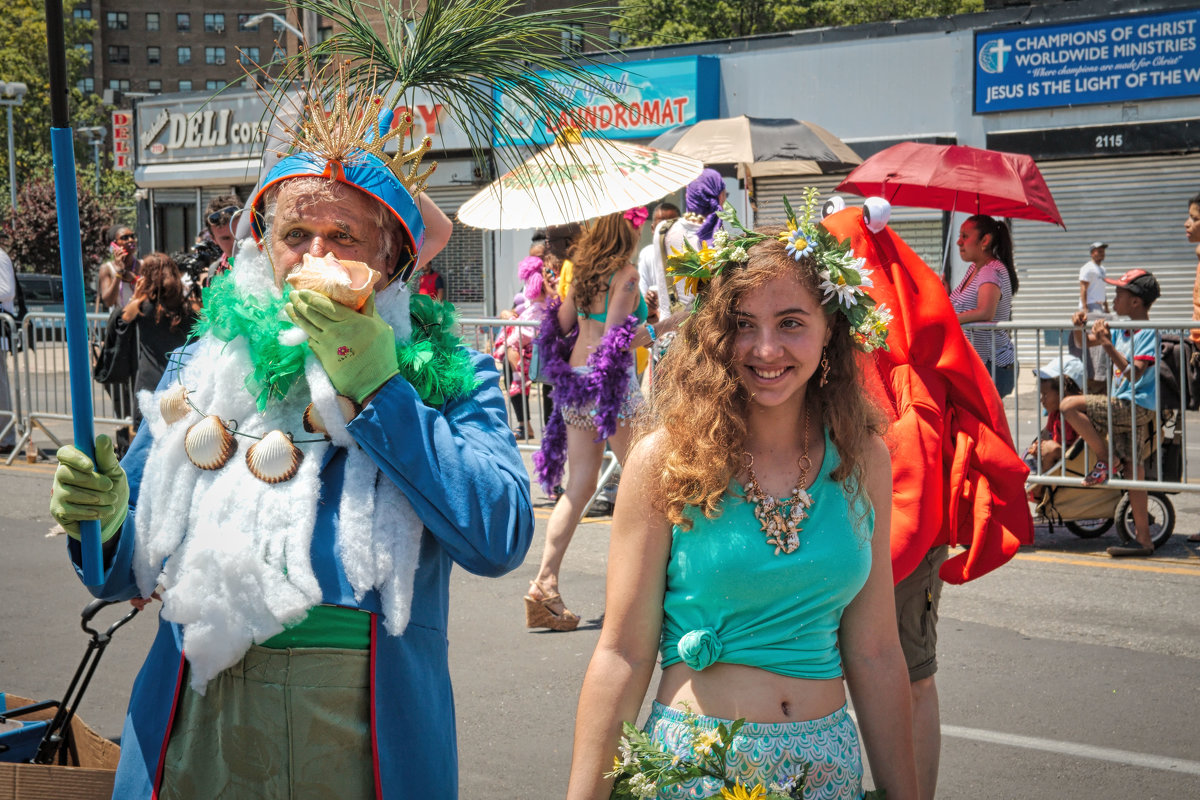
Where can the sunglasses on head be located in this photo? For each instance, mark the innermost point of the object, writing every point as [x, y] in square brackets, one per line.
[222, 216]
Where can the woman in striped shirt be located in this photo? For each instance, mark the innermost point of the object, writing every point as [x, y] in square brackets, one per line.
[985, 294]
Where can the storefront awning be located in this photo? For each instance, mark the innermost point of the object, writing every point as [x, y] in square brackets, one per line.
[238, 171]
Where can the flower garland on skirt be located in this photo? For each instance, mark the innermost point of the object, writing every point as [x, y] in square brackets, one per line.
[604, 384]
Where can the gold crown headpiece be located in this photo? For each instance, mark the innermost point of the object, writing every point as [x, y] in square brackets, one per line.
[352, 127]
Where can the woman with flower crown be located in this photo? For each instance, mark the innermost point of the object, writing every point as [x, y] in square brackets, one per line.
[749, 545]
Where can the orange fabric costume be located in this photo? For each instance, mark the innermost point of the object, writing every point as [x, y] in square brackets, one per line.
[958, 479]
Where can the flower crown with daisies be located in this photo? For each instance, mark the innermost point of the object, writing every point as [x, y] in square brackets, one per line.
[844, 278]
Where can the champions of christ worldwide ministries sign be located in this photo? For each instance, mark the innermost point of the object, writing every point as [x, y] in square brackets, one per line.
[1117, 60]
[656, 96]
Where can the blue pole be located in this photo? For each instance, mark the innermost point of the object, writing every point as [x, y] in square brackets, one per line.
[62, 148]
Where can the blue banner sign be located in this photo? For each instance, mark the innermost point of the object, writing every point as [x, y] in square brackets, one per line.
[657, 95]
[1115, 60]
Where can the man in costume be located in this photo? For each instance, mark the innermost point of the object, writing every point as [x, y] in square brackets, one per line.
[311, 467]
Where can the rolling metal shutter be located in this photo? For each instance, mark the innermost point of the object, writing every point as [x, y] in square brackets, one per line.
[920, 228]
[1137, 205]
[462, 262]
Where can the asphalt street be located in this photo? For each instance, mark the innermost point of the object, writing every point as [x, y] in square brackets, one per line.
[1065, 674]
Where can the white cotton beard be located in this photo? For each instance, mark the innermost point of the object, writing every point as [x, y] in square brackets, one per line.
[233, 553]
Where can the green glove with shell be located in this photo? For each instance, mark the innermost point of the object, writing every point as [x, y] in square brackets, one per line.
[83, 491]
[357, 349]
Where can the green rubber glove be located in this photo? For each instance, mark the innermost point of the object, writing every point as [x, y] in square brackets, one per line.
[81, 492]
[357, 349]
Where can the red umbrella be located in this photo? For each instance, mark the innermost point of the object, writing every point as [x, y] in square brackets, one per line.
[955, 177]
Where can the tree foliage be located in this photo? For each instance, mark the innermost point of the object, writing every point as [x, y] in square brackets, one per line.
[35, 228]
[23, 58]
[651, 22]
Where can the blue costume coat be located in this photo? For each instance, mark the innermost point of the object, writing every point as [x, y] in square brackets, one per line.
[462, 474]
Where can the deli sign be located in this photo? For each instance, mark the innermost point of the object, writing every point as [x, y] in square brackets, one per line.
[122, 125]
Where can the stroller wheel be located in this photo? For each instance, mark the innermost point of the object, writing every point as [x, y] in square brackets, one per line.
[1162, 518]
[1088, 528]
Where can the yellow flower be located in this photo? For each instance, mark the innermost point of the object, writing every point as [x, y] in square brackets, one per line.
[691, 285]
[706, 253]
[703, 743]
[740, 792]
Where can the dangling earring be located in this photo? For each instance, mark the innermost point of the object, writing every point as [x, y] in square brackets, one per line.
[824, 368]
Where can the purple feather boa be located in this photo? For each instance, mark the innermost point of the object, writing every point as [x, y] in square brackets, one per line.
[606, 384]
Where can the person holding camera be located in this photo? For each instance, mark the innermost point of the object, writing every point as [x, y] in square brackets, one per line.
[118, 274]
[219, 216]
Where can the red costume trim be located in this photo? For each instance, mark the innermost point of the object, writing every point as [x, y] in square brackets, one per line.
[162, 753]
[374, 735]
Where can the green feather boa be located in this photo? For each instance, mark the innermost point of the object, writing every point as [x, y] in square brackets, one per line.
[433, 361]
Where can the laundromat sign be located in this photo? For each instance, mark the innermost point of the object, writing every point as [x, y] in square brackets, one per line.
[1123, 59]
[655, 97]
[233, 126]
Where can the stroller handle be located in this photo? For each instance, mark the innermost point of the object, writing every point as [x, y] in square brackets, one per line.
[92, 609]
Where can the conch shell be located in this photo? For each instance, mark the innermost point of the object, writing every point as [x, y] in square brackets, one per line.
[208, 444]
[349, 283]
[274, 459]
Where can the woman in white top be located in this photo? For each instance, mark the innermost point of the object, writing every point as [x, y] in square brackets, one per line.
[985, 294]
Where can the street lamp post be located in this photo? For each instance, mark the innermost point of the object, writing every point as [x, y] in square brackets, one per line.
[254, 21]
[96, 137]
[15, 91]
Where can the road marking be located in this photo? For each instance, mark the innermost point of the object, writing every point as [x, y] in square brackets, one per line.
[543, 514]
[1184, 568]
[1075, 749]
[39, 469]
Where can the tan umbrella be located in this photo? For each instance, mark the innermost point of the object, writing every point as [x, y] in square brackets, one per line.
[761, 145]
[577, 180]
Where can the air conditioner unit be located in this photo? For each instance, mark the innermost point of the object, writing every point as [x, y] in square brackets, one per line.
[218, 28]
[220, 62]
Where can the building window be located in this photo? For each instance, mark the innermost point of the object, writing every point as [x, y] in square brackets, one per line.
[212, 86]
[214, 55]
[183, 22]
[82, 13]
[241, 18]
[154, 85]
[323, 33]
[276, 25]
[87, 85]
[153, 55]
[278, 53]
[248, 56]
[121, 85]
[214, 23]
[118, 54]
[617, 37]
[117, 21]
[89, 51]
[572, 38]
[183, 55]
[153, 21]
[185, 86]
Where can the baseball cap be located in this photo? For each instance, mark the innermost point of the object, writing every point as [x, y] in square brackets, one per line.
[1139, 283]
[1068, 366]
[1098, 244]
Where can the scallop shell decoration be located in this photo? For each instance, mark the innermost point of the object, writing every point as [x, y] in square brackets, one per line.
[349, 283]
[208, 444]
[312, 417]
[174, 405]
[274, 459]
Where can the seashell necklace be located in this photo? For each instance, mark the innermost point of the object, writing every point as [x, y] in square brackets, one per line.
[211, 442]
[780, 523]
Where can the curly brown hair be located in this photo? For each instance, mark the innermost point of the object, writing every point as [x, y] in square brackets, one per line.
[163, 287]
[700, 404]
[606, 245]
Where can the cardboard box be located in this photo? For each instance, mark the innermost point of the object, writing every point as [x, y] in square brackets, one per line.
[90, 779]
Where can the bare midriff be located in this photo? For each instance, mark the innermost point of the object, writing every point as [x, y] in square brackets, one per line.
[736, 691]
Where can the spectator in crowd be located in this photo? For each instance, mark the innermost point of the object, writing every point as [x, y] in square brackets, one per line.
[652, 275]
[163, 314]
[530, 306]
[219, 217]
[1055, 437]
[431, 283]
[119, 273]
[985, 294]
[1192, 227]
[1132, 403]
[8, 297]
[1091, 281]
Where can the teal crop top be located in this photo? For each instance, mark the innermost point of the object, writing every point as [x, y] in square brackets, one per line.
[729, 598]
[640, 312]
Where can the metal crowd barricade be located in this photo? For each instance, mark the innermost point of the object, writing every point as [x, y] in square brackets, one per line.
[481, 333]
[1170, 425]
[42, 365]
[12, 421]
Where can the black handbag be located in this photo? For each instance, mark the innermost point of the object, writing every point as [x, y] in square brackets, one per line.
[115, 360]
